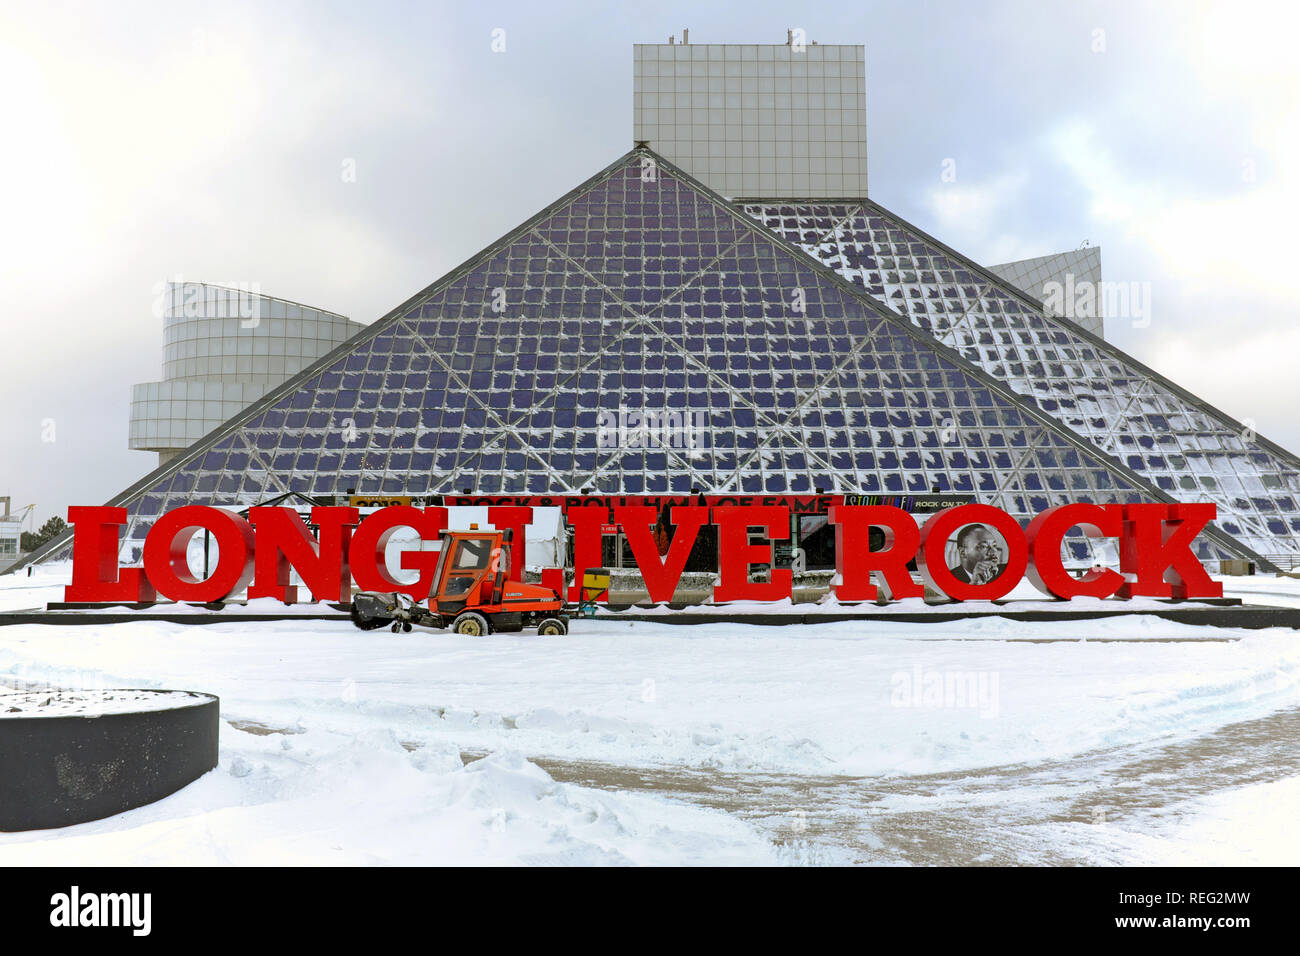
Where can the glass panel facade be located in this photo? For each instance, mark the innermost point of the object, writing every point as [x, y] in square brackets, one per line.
[642, 294]
[1186, 449]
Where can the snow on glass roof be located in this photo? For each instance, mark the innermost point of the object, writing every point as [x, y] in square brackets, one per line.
[1180, 444]
[643, 291]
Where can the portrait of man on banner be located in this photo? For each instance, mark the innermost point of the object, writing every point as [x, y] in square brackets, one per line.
[980, 555]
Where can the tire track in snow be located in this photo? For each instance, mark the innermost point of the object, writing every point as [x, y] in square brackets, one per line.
[993, 816]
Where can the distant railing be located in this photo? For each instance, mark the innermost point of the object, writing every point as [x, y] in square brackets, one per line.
[1287, 562]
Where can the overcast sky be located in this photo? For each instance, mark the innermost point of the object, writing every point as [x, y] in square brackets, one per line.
[145, 140]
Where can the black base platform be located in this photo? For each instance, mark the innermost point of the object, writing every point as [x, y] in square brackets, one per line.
[64, 770]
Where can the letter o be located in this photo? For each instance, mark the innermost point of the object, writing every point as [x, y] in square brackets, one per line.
[940, 527]
[167, 569]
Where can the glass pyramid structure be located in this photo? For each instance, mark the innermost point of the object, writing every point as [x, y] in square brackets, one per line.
[642, 290]
[1117, 406]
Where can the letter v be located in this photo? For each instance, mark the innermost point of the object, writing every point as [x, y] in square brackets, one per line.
[660, 576]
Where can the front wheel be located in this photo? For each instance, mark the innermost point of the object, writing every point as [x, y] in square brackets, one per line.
[552, 627]
[471, 624]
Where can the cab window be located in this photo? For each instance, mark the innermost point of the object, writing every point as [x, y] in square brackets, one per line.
[458, 585]
[472, 555]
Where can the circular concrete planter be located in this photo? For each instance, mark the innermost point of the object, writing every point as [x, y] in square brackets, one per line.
[70, 756]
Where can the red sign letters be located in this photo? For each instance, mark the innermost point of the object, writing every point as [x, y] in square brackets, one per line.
[1154, 543]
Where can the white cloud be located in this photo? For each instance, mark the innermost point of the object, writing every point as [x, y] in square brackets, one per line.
[972, 215]
[1242, 240]
[1222, 257]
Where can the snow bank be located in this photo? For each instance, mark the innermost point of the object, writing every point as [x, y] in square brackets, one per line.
[1244, 826]
[857, 698]
[330, 799]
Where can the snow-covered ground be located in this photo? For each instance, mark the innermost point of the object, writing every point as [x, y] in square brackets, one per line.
[981, 741]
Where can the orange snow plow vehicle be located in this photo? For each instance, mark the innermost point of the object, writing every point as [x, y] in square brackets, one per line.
[472, 593]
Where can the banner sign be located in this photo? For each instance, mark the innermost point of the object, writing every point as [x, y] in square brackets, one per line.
[798, 504]
[965, 551]
[377, 501]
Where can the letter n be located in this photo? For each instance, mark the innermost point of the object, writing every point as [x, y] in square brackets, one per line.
[283, 541]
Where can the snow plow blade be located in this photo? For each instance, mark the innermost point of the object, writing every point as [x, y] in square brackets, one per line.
[374, 609]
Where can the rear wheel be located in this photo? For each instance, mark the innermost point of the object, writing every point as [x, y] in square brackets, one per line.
[552, 627]
[471, 624]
